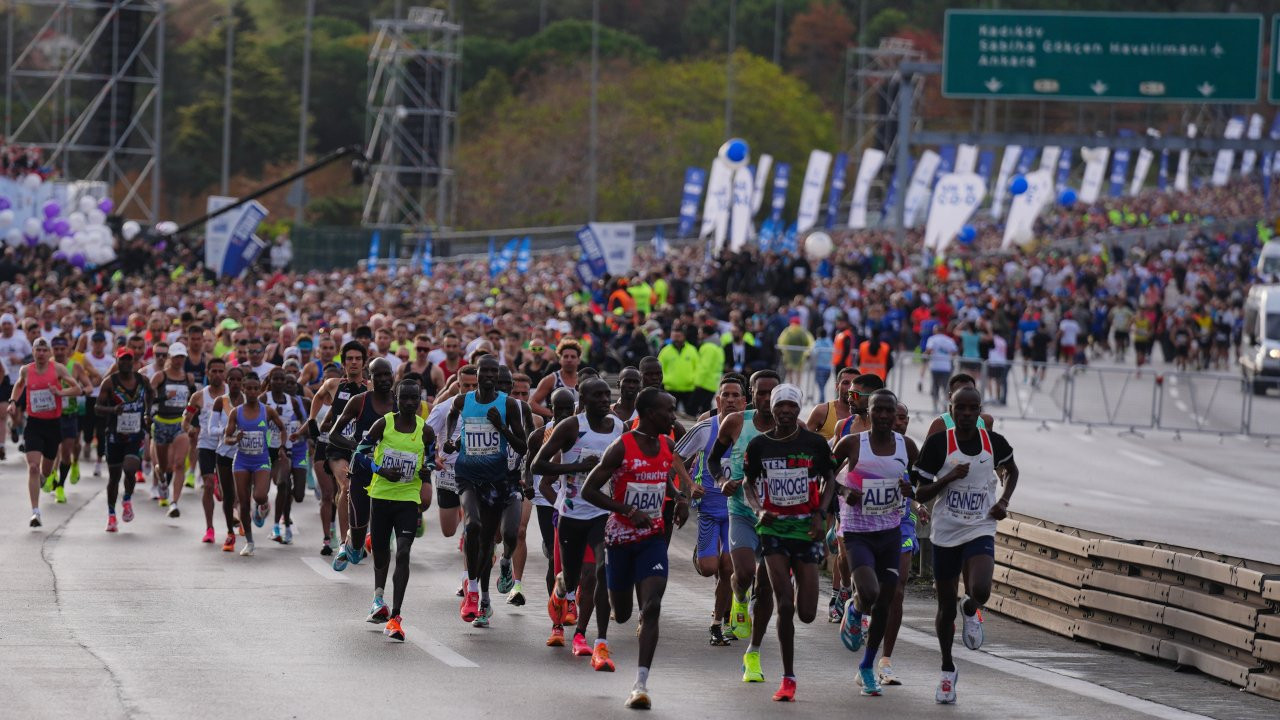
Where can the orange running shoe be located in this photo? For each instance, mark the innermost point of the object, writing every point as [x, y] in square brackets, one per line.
[571, 613]
[229, 545]
[786, 691]
[558, 610]
[600, 661]
[580, 646]
[470, 606]
[393, 629]
[557, 637]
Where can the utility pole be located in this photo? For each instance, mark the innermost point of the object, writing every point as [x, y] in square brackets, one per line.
[226, 98]
[300, 187]
[777, 34]
[595, 120]
[728, 70]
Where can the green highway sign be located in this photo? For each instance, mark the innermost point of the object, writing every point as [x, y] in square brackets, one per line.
[1273, 69]
[1103, 56]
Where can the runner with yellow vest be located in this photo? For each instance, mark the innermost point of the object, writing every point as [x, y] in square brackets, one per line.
[398, 451]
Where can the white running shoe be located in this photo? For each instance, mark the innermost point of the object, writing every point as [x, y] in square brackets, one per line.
[247, 551]
[887, 676]
[946, 694]
[972, 627]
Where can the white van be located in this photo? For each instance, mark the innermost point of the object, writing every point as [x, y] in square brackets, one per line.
[1269, 262]
[1260, 341]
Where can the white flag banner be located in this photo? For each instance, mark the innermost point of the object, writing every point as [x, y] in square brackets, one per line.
[217, 232]
[1227, 158]
[1007, 163]
[618, 241]
[966, 159]
[715, 209]
[763, 166]
[1095, 166]
[1049, 158]
[815, 179]
[1141, 168]
[872, 161]
[740, 214]
[918, 191]
[955, 197]
[1025, 208]
[1250, 158]
[1182, 179]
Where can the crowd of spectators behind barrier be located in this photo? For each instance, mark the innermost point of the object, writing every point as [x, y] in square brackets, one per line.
[779, 311]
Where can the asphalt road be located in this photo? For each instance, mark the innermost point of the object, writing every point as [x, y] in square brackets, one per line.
[149, 623]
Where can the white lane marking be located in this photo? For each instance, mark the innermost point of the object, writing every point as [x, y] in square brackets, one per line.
[1182, 406]
[1055, 679]
[1116, 498]
[436, 649]
[433, 647]
[1237, 485]
[326, 571]
[1150, 461]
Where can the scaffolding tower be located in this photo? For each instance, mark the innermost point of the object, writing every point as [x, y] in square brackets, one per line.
[84, 85]
[411, 122]
[872, 82]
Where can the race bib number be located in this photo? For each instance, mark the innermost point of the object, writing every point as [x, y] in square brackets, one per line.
[445, 479]
[344, 395]
[480, 437]
[349, 432]
[967, 503]
[787, 487]
[646, 497]
[880, 496]
[129, 423]
[293, 427]
[175, 396]
[404, 464]
[42, 401]
[273, 436]
[253, 442]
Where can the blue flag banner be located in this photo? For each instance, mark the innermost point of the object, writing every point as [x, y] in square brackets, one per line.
[694, 180]
[592, 251]
[1120, 166]
[1027, 160]
[768, 233]
[1064, 166]
[891, 195]
[375, 244]
[243, 247]
[837, 188]
[946, 162]
[781, 178]
[506, 257]
[1162, 177]
[825, 270]
[493, 259]
[659, 243]
[585, 273]
[789, 244]
[986, 159]
[524, 255]
[428, 249]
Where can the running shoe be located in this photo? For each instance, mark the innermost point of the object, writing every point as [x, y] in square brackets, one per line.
[972, 627]
[393, 629]
[741, 618]
[786, 691]
[97, 466]
[75, 473]
[229, 545]
[275, 533]
[35, 520]
[558, 609]
[174, 512]
[835, 609]
[600, 661]
[571, 613]
[342, 558]
[112, 526]
[557, 637]
[717, 636]
[48, 482]
[482, 617]
[887, 676]
[851, 628]
[358, 555]
[247, 551]
[470, 607]
[191, 480]
[506, 580]
[288, 535]
[516, 597]
[462, 591]
[60, 494]
[327, 548]
[368, 546]
[163, 489]
[380, 612]
[946, 693]
[259, 514]
[208, 536]
[217, 489]
[421, 529]
[639, 700]
[751, 672]
[580, 646]
[867, 680]
[126, 511]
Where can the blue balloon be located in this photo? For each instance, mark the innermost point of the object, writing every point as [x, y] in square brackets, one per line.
[1067, 198]
[1018, 186]
[967, 235]
[737, 150]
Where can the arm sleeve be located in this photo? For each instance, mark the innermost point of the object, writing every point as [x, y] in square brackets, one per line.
[932, 457]
[1000, 448]
[694, 440]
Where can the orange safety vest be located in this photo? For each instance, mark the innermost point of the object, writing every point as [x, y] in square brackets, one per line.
[877, 364]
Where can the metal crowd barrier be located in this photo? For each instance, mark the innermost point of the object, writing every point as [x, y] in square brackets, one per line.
[1213, 612]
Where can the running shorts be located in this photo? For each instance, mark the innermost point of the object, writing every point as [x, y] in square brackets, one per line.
[880, 550]
[806, 551]
[70, 426]
[43, 435]
[948, 562]
[713, 535]
[165, 432]
[742, 534]
[630, 564]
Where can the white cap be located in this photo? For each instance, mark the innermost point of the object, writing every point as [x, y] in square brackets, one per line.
[7, 319]
[180, 350]
[785, 392]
